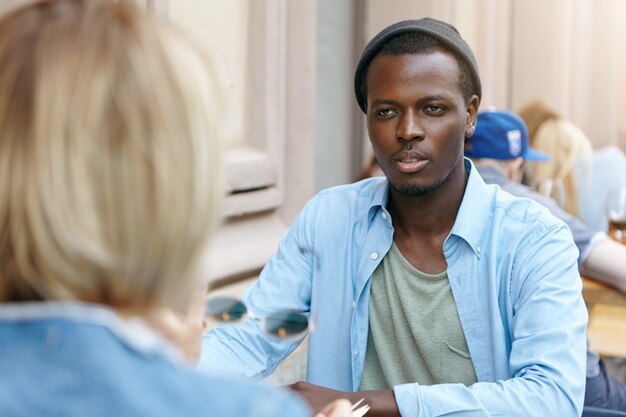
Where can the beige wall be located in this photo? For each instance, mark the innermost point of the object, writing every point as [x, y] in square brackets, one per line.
[572, 52]
[222, 28]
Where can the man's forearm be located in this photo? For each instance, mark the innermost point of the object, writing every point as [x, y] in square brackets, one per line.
[382, 403]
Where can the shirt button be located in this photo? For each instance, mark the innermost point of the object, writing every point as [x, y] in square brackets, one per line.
[374, 256]
[354, 304]
[356, 353]
[384, 215]
[478, 249]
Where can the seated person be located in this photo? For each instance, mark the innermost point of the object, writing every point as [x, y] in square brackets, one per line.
[433, 293]
[609, 172]
[565, 176]
[109, 188]
[499, 148]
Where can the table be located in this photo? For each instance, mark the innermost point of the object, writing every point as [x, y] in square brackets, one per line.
[607, 318]
[597, 292]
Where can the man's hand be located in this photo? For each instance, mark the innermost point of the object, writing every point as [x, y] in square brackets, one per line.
[382, 403]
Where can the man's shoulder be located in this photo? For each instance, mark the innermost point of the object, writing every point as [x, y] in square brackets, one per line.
[515, 202]
[519, 208]
[497, 200]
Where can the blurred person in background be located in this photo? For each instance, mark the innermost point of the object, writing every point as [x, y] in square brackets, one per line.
[433, 294]
[578, 178]
[499, 148]
[565, 176]
[609, 173]
[110, 179]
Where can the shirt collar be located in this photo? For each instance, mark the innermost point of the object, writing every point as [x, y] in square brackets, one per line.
[134, 332]
[474, 215]
[379, 197]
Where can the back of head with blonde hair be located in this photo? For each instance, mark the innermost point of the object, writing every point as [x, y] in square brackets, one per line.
[570, 164]
[109, 160]
[534, 113]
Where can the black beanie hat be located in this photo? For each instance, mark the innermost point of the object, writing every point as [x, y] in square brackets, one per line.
[442, 31]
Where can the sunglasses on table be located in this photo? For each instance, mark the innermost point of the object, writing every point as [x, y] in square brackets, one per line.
[282, 324]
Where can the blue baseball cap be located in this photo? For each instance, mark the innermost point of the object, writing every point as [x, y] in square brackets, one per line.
[501, 135]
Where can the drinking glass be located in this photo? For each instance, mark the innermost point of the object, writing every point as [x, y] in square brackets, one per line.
[616, 214]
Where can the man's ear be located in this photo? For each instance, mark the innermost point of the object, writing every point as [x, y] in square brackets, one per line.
[470, 119]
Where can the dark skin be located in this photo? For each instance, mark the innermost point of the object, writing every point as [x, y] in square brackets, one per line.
[417, 120]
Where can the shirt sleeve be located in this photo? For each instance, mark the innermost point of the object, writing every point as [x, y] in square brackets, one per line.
[548, 343]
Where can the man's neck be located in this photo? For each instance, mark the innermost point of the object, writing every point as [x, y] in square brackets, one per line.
[422, 224]
[433, 213]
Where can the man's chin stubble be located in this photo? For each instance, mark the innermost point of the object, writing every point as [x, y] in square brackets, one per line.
[413, 190]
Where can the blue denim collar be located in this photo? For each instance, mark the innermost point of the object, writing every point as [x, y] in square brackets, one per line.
[134, 332]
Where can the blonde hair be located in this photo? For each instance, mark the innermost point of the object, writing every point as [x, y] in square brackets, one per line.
[109, 158]
[570, 164]
[534, 113]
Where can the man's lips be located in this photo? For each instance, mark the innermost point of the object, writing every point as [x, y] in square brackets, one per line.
[409, 162]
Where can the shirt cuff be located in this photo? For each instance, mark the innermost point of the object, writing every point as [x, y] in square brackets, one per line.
[408, 399]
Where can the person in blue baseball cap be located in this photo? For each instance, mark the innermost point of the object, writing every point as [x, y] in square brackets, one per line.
[502, 136]
[498, 149]
[495, 126]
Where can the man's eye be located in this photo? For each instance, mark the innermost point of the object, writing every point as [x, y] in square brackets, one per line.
[434, 109]
[385, 113]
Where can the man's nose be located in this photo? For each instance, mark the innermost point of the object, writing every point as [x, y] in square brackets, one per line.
[409, 127]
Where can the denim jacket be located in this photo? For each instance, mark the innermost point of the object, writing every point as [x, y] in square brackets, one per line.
[64, 359]
[513, 273]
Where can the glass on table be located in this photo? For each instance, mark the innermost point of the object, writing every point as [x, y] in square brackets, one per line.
[616, 214]
[281, 324]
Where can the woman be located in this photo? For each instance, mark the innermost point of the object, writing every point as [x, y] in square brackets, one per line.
[109, 188]
[566, 176]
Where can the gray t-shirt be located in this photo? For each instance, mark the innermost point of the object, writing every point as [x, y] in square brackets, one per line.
[415, 332]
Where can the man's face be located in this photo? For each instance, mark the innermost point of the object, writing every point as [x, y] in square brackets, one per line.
[417, 119]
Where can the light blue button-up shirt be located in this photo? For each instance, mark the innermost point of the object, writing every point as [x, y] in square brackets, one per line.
[513, 272]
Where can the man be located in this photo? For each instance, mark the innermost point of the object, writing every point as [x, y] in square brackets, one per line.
[432, 293]
[498, 148]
